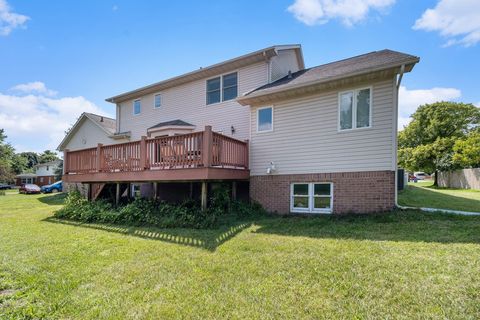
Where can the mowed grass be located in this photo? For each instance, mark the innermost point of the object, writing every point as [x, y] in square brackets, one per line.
[401, 265]
[424, 194]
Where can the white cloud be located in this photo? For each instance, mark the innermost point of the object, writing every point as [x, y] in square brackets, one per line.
[312, 12]
[10, 20]
[410, 100]
[36, 122]
[34, 87]
[458, 21]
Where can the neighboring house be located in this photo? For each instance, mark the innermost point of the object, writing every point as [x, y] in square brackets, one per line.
[90, 130]
[316, 140]
[44, 174]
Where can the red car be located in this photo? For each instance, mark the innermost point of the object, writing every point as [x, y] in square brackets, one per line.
[29, 188]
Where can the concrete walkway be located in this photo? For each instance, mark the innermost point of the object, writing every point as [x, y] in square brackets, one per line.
[463, 213]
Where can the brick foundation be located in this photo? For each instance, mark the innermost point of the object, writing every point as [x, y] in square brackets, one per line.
[353, 192]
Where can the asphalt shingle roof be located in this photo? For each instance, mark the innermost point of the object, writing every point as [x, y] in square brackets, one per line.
[346, 67]
[171, 123]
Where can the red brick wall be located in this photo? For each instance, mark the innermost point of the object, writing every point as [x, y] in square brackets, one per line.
[353, 192]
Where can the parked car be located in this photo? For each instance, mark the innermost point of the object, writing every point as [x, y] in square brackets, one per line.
[54, 187]
[28, 188]
[420, 175]
[4, 186]
[411, 177]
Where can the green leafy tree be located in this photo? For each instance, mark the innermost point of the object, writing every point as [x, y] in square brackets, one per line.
[31, 157]
[59, 171]
[467, 152]
[426, 144]
[6, 154]
[19, 164]
[47, 156]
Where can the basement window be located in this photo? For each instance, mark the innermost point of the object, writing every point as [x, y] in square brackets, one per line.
[311, 197]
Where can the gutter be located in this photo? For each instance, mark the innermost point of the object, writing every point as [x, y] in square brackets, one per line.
[395, 133]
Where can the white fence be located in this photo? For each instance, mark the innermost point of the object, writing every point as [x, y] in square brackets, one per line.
[463, 179]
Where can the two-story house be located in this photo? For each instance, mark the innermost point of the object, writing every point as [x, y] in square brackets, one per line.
[44, 174]
[316, 140]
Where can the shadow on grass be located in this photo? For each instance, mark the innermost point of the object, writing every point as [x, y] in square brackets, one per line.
[208, 239]
[53, 199]
[401, 225]
[427, 197]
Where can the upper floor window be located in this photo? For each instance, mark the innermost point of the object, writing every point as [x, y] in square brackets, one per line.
[222, 88]
[137, 107]
[229, 83]
[355, 109]
[157, 101]
[265, 119]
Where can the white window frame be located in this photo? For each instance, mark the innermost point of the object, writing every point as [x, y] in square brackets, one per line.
[258, 119]
[133, 107]
[311, 197]
[354, 109]
[221, 88]
[154, 102]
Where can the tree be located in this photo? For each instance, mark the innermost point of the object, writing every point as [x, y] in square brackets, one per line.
[47, 156]
[426, 144]
[6, 154]
[59, 171]
[19, 163]
[31, 157]
[467, 152]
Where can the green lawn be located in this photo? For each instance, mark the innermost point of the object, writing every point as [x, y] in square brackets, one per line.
[399, 265]
[423, 194]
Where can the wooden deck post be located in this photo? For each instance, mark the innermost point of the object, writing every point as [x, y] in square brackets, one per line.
[247, 154]
[99, 158]
[143, 153]
[117, 194]
[207, 146]
[155, 190]
[65, 161]
[204, 195]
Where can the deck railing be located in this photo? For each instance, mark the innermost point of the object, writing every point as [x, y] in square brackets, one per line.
[192, 150]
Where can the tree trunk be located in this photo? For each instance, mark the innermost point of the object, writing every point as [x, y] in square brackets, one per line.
[435, 181]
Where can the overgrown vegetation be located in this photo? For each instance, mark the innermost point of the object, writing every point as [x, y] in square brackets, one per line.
[160, 214]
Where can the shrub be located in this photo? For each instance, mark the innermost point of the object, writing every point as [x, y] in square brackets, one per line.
[155, 213]
[2, 192]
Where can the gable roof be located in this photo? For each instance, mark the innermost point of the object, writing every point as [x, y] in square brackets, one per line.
[215, 69]
[177, 122]
[50, 163]
[362, 64]
[108, 125]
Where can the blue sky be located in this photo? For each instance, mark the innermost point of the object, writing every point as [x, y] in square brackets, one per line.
[60, 58]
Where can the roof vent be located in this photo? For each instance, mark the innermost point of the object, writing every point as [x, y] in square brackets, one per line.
[289, 74]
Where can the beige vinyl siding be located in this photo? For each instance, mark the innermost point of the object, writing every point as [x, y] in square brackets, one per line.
[285, 61]
[88, 135]
[188, 103]
[305, 136]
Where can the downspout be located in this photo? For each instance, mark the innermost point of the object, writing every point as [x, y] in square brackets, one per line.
[395, 133]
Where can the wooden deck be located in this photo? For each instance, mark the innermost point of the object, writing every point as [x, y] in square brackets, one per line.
[204, 155]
